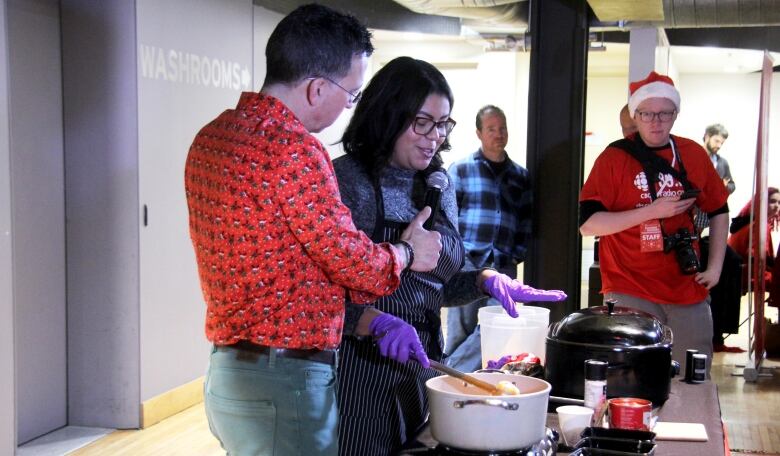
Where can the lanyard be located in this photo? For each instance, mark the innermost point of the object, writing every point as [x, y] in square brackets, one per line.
[682, 177]
[652, 174]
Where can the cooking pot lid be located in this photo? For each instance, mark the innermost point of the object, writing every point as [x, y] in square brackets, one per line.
[610, 325]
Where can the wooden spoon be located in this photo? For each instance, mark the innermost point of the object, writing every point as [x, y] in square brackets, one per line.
[490, 388]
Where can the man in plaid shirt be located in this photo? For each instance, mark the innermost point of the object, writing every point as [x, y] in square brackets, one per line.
[494, 218]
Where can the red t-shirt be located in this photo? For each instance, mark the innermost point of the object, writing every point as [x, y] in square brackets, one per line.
[275, 246]
[618, 182]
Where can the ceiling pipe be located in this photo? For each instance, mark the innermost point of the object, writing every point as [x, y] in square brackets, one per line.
[494, 12]
[720, 13]
[746, 24]
[677, 13]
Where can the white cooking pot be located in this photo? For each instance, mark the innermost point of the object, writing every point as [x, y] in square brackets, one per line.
[464, 416]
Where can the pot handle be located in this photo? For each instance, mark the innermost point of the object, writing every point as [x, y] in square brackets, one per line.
[492, 402]
[675, 370]
[668, 335]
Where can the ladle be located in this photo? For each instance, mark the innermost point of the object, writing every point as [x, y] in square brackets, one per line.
[490, 388]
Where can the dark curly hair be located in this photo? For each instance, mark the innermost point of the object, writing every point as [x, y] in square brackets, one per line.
[314, 40]
[390, 103]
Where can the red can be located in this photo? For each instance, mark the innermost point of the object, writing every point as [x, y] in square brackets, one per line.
[630, 413]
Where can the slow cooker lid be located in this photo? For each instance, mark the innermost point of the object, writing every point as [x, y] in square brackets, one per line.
[609, 325]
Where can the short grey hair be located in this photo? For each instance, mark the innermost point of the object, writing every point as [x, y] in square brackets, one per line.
[488, 109]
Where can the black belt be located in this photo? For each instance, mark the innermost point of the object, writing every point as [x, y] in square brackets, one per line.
[309, 354]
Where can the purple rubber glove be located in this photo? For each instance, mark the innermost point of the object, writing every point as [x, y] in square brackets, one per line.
[397, 339]
[508, 291]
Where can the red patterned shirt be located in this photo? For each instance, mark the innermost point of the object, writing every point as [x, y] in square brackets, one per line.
[276, 248]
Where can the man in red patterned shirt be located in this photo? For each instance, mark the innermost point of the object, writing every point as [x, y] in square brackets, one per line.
[278, 252]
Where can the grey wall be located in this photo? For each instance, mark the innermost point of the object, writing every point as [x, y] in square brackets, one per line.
[101, 188]
[138, 84]
[37, 190]
[185, 79]
[7, 396]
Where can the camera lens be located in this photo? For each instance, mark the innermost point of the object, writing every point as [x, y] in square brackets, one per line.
[689, 264]
[683, 249]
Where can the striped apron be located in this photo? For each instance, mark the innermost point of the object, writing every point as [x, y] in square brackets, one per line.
[383, 403]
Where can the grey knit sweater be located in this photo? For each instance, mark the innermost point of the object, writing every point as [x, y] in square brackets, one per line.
[357, 192]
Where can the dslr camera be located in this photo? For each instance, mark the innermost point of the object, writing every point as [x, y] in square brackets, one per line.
[682, 243]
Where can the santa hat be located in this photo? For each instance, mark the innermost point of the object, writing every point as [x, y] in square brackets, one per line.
[653, 86]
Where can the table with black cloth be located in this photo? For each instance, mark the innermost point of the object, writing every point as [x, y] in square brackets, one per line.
[687, 403]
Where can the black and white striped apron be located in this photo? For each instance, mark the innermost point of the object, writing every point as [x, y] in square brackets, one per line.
[383, 403]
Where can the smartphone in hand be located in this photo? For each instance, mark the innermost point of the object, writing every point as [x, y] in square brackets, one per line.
[690, 193]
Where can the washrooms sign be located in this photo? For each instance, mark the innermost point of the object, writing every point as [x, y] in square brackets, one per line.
[182, 67]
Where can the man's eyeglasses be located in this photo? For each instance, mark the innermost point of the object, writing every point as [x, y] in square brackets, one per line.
[663, 116]
[353, 97]
[423, 126]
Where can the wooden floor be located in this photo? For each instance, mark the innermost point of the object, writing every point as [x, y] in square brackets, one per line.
[184, 434]
[751, 412]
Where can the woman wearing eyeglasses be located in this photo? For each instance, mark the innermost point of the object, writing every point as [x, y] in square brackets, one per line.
[393, 145]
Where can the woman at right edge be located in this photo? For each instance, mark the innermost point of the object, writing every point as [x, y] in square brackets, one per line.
[741, 228]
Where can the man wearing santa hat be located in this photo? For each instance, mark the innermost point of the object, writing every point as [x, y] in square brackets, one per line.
[639, 198]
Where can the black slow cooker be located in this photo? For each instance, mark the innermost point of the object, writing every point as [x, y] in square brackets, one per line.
[636, 346]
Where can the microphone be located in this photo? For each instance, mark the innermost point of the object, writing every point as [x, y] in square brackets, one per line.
[436, 182]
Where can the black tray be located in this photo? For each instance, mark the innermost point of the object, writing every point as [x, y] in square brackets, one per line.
[614, 447]
[618, 434]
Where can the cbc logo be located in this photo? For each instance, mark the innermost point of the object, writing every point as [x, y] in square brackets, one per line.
[640, 181]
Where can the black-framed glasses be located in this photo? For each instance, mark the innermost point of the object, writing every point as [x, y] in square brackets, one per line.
[353, 97]
[663, 116]
[424, 125]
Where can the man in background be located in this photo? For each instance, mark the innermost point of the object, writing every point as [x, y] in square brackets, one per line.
[278, 252]
[724, 301]
[494, 218]
[627, 124]
[715, 136]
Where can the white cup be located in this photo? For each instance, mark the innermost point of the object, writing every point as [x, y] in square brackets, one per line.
[572, 419]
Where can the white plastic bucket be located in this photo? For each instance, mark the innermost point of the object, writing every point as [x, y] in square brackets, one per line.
[529, 313]
[503, 335]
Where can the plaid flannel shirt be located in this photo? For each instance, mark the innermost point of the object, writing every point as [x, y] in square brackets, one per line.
[494, 211]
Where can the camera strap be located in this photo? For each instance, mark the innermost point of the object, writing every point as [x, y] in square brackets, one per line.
[654, 165]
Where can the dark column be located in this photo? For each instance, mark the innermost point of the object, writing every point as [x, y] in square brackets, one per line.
[556, 132]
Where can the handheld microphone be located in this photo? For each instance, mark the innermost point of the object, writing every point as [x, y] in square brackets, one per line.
[436, 182]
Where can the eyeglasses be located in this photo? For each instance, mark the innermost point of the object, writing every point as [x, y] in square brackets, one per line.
[423, 126]
[663, 116]
[353, 97]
